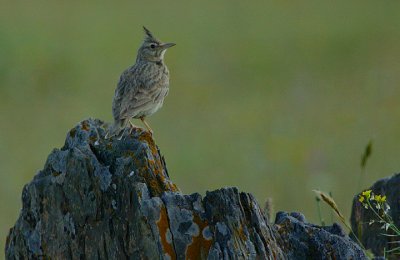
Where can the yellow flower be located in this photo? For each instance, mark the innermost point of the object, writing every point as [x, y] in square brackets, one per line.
[361, 198]
[380, 199]
[367, 194]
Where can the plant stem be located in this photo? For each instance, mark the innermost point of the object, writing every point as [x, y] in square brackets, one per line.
[319, 211]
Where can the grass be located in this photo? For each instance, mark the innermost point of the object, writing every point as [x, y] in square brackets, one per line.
[274, 98]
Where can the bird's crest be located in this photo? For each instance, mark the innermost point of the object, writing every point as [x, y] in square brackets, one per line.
[149, 35]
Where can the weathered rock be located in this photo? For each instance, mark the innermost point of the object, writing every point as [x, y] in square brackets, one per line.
[303, 240]
[370, 235]
[111, 199]
[92, 199]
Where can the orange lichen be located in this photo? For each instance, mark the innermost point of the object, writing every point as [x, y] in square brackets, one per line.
[172, 187]
[152, 169]
[163, 227]
[148, 138]
[72, 133]
[55, 174]
[241, 233]
[85, 125]
[200, 245]
[155, 187]
[93, 138]
[109, 146]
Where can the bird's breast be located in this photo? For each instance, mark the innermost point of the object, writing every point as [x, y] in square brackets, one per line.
[157, 76]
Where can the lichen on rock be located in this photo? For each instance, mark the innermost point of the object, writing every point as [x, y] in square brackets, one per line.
[113, 199]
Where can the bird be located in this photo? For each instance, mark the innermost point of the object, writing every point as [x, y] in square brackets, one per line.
[142, 87]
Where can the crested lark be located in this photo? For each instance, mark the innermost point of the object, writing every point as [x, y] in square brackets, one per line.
[142, 87]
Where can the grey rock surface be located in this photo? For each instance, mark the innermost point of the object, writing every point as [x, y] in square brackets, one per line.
[100, 198]
[370, 235]
[303, 240]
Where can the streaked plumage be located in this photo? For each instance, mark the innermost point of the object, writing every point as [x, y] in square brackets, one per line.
[142, 87]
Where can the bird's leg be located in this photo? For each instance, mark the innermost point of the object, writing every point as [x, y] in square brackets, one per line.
[132, 126]
[108, 134]
[146, 124]
[123, 130]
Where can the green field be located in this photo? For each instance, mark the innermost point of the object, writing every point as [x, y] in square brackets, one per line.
[273, 97]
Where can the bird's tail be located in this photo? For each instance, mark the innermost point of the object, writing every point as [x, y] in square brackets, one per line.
[116, 128]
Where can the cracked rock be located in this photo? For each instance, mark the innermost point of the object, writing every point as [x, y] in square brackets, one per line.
[100, 198]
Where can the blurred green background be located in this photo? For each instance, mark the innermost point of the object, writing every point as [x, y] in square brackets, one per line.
[274, 97]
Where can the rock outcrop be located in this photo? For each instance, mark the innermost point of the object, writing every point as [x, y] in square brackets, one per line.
[100, 198]
[303, 240]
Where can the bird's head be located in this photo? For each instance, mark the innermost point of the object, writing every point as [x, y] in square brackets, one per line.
[152, 49]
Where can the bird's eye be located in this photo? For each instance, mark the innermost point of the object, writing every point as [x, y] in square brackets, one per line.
[152, 46]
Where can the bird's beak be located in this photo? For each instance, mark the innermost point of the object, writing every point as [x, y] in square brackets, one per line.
[167, 45]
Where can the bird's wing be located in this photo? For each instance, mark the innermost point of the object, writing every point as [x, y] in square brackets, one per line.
[131, 96]
[139, 101]
[125, 90]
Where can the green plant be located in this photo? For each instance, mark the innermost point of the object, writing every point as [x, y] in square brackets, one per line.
[378, 205]
[331, 203]
[318, 201]
[364, 159]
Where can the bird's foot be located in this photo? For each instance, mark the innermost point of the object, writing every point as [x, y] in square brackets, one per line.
[132, 127]
[107, 136]
[147, 126]
[121, 136]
